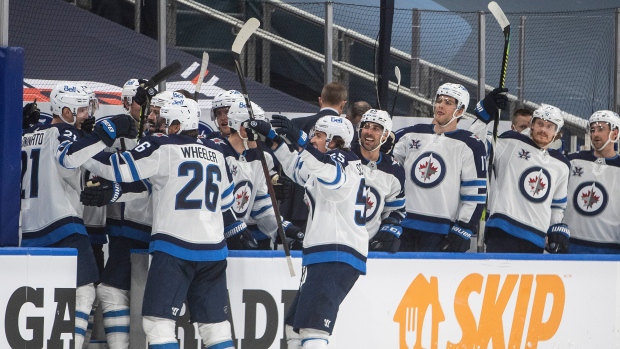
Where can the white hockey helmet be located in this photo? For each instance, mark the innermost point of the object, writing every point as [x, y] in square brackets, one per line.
[335, 126]
[160, 99]
[549, 113]
[68, 95]
[225, 99]
[380, 117]
[608, 116]
[129, 90]
[456, 91]
[93, 102]
[238, 113]
[184, 110]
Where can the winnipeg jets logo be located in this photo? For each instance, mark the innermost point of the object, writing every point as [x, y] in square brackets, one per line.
[578, 171]
[218, 141]
[428, 170]
[524, 154]
[415, 144]
[590, 198]
[233, 170]
[242, 195]
[373, 201]
[535, 184]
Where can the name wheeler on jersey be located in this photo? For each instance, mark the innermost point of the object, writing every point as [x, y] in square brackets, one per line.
[336, 198]
[593, 209]
[386, 191]
[529, 188]
[51, 182]
[446, 176]
[191, 187]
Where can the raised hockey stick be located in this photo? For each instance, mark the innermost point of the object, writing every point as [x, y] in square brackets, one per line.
[160, 76]
[203, 72]
[242, 37]
[397, 72]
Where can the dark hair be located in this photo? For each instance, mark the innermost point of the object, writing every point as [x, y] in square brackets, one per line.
[339, 143]
[185, 93]
[190, 133]
[521, 112]
[358, 108]
[334, 93]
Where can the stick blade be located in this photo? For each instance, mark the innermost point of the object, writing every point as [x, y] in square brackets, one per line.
[499, 15]
[203, 70]
[161, 75]
[244, 34]
[397, 72]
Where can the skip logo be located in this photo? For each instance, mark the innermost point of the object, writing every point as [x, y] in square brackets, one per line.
[539, 298]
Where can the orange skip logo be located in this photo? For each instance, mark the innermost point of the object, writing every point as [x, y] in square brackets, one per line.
[423, 294]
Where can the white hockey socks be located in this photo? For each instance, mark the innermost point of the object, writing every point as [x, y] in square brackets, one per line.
[114, 303]
[313, 339]
[293, 340]
[89, 329]
[216, 335]
[84, 297]
[160, 332]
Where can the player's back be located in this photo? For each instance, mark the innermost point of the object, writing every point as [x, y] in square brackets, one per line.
[50, 203]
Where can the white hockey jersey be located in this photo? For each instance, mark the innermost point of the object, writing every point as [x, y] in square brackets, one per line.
[336, 198]
[191, 187]
[252, 200]
[445, 178]
[593, 208]
[51, 182]
[385, 180]
[529, 188]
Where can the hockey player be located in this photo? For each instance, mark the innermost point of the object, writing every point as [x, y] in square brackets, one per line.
[156, 122]
[592, 213]
[336, 196]
[192, 196]
[527, 203]
[445, 169]
[385, 177]
[219, 111]
[51, 159]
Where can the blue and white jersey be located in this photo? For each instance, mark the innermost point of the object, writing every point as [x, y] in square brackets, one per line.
[252, 200]
[336, 197]
[445, 178]
[529, 188]
[191, 186]
[51, 182]
[385, 180]
[592, 213]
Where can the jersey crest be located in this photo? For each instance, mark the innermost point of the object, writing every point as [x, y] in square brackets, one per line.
[242, 193]
[415, 144]
[578, 171]
[373, 201]
[428, 170]
[524, 154]
[590, 198]
[535, 184]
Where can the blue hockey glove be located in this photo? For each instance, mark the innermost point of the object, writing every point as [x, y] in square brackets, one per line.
[387, 238]
[557, 238]
[100, 192]
[88, 125]
[30, 115]
[238, 237]
[144, 94]
[488, 108]
[259, 129]
[457, 240]
[117, 126]
[289, 131]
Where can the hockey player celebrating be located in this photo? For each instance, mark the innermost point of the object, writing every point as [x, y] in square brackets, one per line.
[336, 197]
[527, 217]
[445, 169]
[592, 213]
[219, 111]
[192, 196]
[52, 156]
[385, 177]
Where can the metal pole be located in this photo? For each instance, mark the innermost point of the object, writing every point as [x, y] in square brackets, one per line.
[415, 56]
[481, 55]
[4, 23]
[616, 106]
[329, 43]
[266, 52]
[161, 38]
[521, 73]
[137, 15]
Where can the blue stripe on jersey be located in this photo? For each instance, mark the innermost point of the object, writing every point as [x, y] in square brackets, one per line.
[559, 201]
[116, 313]
[261, 210]
[266, 196]
[134, 233]
[224, 345]
[115, 166]
[334, 253]
[474, 198]
[61, 159]
[187, 254]
[81, 315]
[337, 179]
[132, 166]
[116, 329]
[395, 203]
[558, 207]
[517, 229]
[228, 190]
[474, 183]
[148, 184]
[425, 223]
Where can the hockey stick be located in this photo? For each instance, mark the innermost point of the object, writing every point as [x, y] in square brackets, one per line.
[500, 17]
[203, 72]
[242, 37]
[160, 76]
[397, 72]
